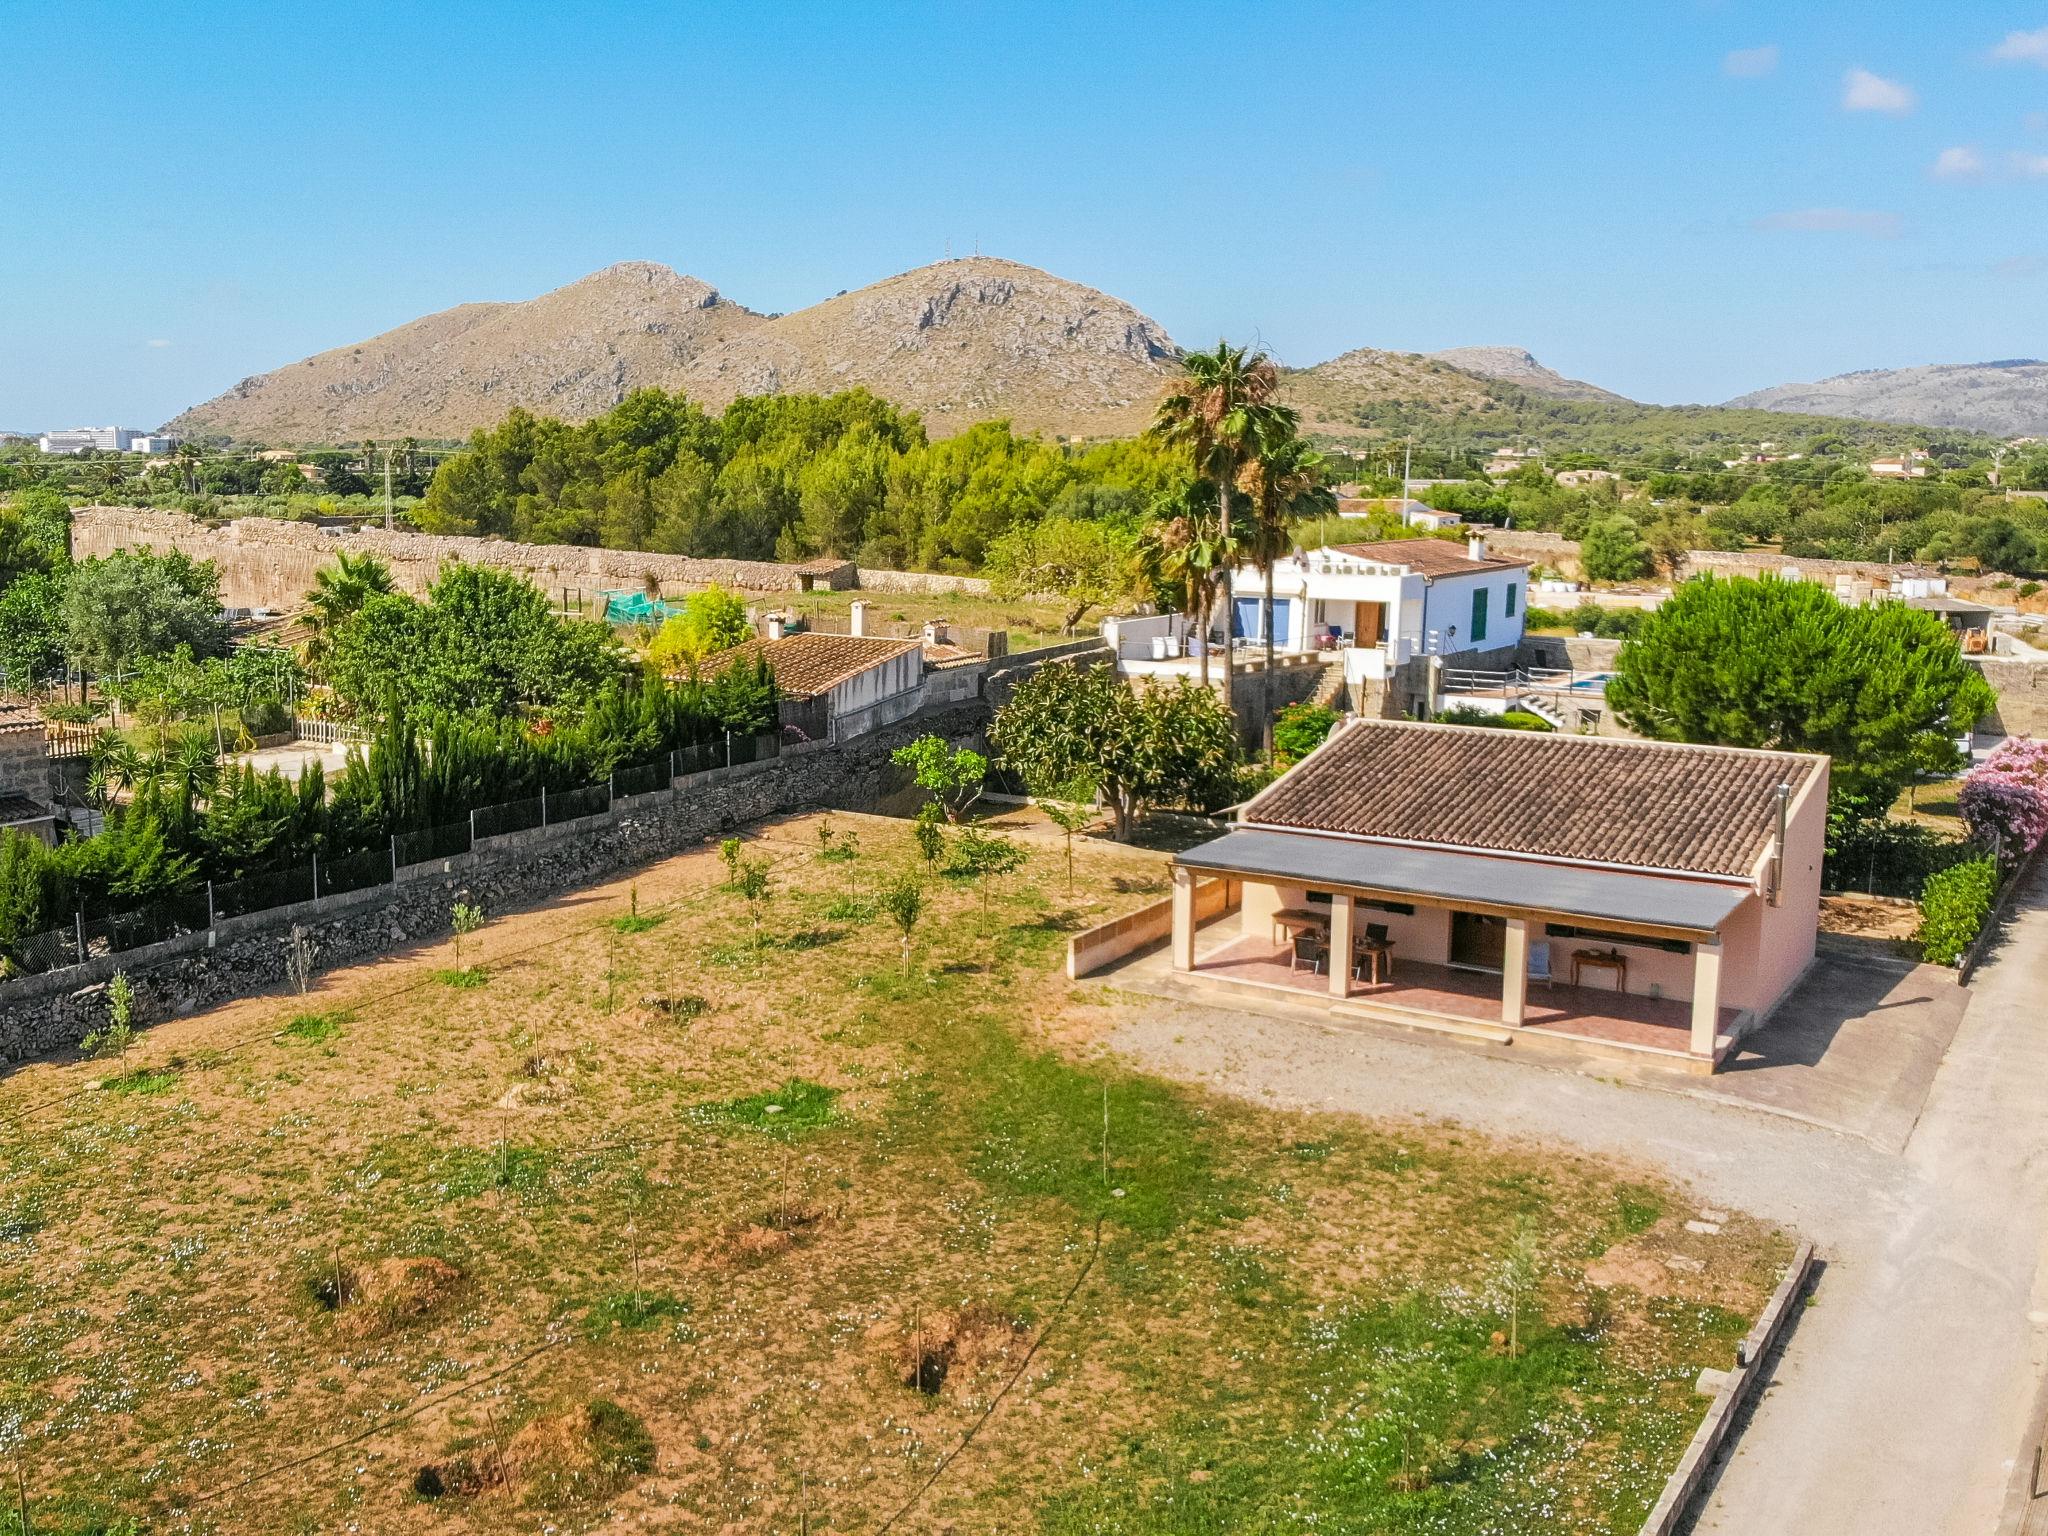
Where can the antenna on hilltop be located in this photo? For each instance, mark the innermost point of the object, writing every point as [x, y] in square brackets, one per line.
[949, 247]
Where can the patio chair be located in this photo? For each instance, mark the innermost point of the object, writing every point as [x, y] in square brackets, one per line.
[1310, 947]
[1539, 963]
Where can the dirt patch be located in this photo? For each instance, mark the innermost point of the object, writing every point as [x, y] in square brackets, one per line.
[771, 1234]
[374, 1298]
[1634, 1270]
[1868, 918]
[956, 1348]
[589, 1452]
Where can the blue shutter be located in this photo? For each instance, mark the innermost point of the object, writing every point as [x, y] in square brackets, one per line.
[1244, 620]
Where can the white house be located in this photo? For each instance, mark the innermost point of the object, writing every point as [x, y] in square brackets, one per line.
[1375, 605]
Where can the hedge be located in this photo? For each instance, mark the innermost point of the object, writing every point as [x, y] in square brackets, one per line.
[1953, 906]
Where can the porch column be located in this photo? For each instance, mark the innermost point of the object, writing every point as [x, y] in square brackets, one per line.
[1514, 972]
[1706, 998]
[1183, 919]
[1341, 912]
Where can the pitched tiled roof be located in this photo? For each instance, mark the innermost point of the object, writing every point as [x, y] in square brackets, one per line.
[1585, 799]
[1429, 557]
[809, 664]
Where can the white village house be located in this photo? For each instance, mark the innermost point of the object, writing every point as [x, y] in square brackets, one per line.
[1371, 607]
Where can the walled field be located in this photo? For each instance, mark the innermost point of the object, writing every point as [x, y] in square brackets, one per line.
[655, 1212]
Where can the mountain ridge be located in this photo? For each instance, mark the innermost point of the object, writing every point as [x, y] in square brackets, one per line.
[2005, 398]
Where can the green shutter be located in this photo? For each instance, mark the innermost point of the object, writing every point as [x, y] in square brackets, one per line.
[1507, 609]
[1479, 614]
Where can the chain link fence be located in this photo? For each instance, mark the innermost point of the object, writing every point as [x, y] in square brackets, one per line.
[196, 911]
[449, 840]
[568, 804]
[640, 778]
[512, 816]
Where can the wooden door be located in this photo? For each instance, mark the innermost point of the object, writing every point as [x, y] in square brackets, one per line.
[1478, 943]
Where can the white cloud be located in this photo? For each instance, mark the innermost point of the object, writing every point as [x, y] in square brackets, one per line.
[2024, 48]
[1749, 63]
[1831, 221]
[157, 341]
[2033, 167]
[1864, 92]
[1961, 163]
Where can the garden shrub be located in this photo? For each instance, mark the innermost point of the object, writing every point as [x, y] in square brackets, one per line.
[265, 715]
[1953, 907]
[1884, 856]
[1298, 729]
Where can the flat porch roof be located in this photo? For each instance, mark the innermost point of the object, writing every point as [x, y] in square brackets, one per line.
[1641, 900]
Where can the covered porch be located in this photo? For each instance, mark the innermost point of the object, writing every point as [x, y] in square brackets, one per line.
[1479, 945]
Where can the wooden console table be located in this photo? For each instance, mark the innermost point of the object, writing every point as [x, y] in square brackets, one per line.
[1601, 960]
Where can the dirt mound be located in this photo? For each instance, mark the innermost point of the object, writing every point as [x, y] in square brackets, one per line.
[589, 1452]
[955, 1348]
[1635, 1271]
[771, 1234]
[373, 1298]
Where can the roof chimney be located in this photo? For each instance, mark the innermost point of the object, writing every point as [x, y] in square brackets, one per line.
[1475, 546]
[859, 616]
[775, 622]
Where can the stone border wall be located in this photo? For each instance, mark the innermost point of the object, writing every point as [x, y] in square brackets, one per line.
[1671, 1511]
[268, 562]
[40, 1014]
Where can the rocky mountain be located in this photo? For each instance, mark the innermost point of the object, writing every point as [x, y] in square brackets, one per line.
[1512, 365]
[2004, 399]
[1366, 393]
[569, 353]
[959, 342]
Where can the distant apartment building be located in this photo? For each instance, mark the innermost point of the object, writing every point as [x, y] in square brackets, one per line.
[1507, 460]
[106, 440]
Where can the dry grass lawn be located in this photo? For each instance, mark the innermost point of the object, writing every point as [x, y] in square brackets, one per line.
[662, 1226]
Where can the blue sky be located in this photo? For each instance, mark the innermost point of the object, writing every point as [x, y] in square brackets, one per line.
[1678, 199]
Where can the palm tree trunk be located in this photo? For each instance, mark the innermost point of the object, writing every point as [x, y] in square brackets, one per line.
[1266, 678]
[1229, 590]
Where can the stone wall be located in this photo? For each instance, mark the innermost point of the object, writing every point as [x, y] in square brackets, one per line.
[25, 763]
[2022, 696]
[40, 1014]
[269, 562]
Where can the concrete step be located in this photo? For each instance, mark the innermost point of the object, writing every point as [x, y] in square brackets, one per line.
[1420, 1018]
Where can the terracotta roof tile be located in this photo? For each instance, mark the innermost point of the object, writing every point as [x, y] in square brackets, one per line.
[1429, 557]
[809, 663]
[1584, 799]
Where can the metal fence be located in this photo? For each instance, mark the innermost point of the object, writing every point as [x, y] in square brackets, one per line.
[447, 841]
[196, 911]
[569, 804]
[512, 816]
[641, 778]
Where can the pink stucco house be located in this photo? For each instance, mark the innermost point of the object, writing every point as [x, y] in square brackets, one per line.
[1643, 895]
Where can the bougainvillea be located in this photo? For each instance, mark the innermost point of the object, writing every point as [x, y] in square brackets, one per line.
[2006, 796]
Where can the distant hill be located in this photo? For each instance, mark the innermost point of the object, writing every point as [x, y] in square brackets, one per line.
[959, 342]
[2002, 399]
[1512, 365]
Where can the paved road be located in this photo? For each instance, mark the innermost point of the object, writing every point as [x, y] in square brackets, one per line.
[1901, 1401]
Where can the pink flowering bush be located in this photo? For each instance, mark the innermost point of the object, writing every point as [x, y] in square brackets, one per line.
[2007, 795]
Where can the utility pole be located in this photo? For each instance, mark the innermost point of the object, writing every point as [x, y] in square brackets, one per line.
[1407, 466]
[387, 487]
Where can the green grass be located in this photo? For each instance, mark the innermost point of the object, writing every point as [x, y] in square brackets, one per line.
[794, 1110]
[1037, 1126]
[637, 922]
[142, 1080]
[633, 1312]
[314, 1028]
[466, 979]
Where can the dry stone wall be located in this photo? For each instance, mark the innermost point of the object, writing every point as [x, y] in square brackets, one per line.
[41, 1014]
[269, 562]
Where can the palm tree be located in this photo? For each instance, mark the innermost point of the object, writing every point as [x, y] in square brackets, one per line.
[338, 594]
[187, 457]
[1285, 481]
[1214, 411]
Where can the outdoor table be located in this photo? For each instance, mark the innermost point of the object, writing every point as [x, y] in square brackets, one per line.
[1601, 960]
[1375, 953]
[1291, 920]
